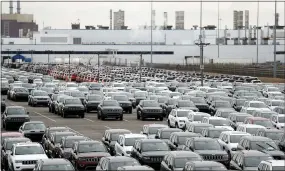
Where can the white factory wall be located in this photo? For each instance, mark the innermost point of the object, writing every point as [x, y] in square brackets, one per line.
[230, 53]
[16, 41]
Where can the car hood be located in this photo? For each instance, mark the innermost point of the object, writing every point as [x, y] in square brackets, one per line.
[251, 168]
[273, 153]
[259, 109]
[18, 116]
[154, 153]
[112, 107]
[42, 97]
[151, 136]
[34, 131]
[182, 118]
[233, 145]
[74, 105]
[189, 108]
[94, 101]
[30, 157]
[128, 148]
[226, 108]
[94, 154]
[209, 152]
[201, 104]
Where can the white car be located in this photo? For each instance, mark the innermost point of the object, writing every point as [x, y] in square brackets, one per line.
[218, 122]
[249, 128]
[24, 156]
[271, 165]
[230, 139]
[278, 120]
[125, 143]
[272, 103]
[196, 117]
[250, 106]
[118, 86]
[71, 86]
[268, 89]
[178, 117]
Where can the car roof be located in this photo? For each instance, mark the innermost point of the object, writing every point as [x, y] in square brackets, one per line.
[30, 122]
[257, 138]
[201, 124]
[55, 161]
[216, 118]
[90, 142]
[251, 126]
[17, 139]
[29, 144]
[253, 153]
[150, 140]
[203, 139]
[6, 134]
[170, 129]
[156, 125]
[273, 130]
[120, 158]
[185, 134]
[141, 168]
[64, 133]
[276, 162]
[257, 118]
[216, 128]
[133, 135]
[235, 133]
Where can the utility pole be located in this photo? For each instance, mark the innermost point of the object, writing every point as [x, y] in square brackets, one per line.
[257, 34]
[275, 25]
[140, 68]
[201, 45]
[98, 67]
[151, 32]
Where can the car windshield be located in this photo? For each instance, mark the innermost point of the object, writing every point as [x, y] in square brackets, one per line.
[199, 129]
[162, 99]
[172, 102]
[277, 103]
[94, 98]
[273, 89]
[119, 85]
[185, 104]
[182, 140]
[219, 122]
[22, 90]
[240, 102]
[154, 146]
[181, 162]
[258, 105]
[115, 136]
[254, 161]
[110, 103]
[215, 133]
[224, 104]
[131, 141]
[197, 100]
[274, 135]
[33, 126]
[58, 137]
[116, 165]
[92, 147]
[40, 93]
[252, 130]
[28, 150]
[207, 145]
[241, 118]
[83, 89]
[263, 145]
[60, 167]
[265, 123]
[182, 113]
[69, 142]
[121, 98]
[71, 85]
[140, 94]
[225, 114]
[217, 168]
[198, 117]
[73, 101]
[77, 94]
[235, 138]
[50, 85]
[153, 130]
[10, 144]
[150, 104]
[95, 85]
[166, 134]
[16, 111]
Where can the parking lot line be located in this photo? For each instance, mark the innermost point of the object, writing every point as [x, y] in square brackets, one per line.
[88, 120]
[126, 120]
[74, 130]
[44, 116]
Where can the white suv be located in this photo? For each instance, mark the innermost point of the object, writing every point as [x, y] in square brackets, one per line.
[278, 120]
[178, 117]
[271, 165]
[25, 156]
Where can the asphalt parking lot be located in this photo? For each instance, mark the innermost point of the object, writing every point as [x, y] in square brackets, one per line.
[89, 126]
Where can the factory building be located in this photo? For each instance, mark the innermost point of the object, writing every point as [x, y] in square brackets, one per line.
[179, 20]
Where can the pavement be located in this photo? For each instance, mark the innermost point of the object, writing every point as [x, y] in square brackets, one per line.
[89, 126]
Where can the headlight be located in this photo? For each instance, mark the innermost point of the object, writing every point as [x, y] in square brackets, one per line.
[81, 159]
[128, 152]
[181, 121]
[18, 161]
[8, 118]
[146, 158]
[234, 149]
[27, 118]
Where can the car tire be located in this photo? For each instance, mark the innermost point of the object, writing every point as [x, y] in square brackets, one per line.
[168, 123]
[130, 111]
[4, 125]
[82, 115]
[99, 115]
[176, 125]
[63, 115]
[161, 118]
[138, 116]
[49, 110]
[143, 118]
[122, 117]
[102, 118]
[33, 104]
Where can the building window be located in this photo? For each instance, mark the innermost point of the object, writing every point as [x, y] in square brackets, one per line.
[6, 28]
[77, 40]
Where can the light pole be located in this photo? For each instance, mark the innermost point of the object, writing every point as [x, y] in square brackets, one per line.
[69, 66]
[151, 8]
[257, 34]
[274, 34]
[218, 29]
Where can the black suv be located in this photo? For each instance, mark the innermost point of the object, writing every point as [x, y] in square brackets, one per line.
[124, 101]
[150, 152]
[91, 102]
[15, 116]
[149, 109]
[73, 106]
[178, 139]
[110, 109]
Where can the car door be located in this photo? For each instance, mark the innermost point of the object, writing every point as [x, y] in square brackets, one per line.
[164, 163]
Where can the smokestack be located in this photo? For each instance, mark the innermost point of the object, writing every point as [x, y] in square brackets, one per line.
[18, 7]
[165, 20]
[11, 7]
[111, 18]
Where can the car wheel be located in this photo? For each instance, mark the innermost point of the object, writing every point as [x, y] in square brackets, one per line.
[131, 111]
[176, 125]
[99, 115]
[82, 115]
[122, 117]
[4, 125]
[63, 115]
[161, 118]
[49, 110]
[138, 116]
[168, 123]
[102, 118]
[33, 104]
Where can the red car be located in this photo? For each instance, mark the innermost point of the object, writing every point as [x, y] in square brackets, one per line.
[259, 121]
[5, 135]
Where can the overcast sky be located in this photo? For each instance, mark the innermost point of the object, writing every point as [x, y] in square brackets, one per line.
[60, 15]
